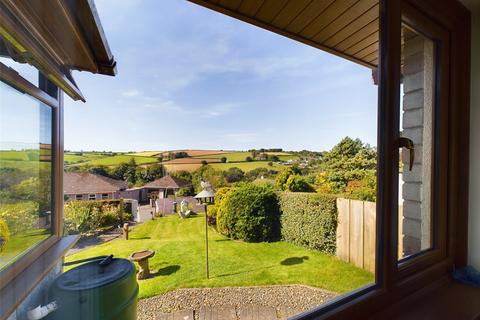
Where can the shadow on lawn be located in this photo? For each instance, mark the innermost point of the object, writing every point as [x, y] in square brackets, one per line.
[293, 260]
[166, 271]
[140, 238]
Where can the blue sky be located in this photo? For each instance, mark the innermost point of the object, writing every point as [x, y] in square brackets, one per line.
[189, 77]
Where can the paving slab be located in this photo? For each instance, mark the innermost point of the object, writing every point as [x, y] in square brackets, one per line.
[255, 312]
[179, 315]
[219, 313]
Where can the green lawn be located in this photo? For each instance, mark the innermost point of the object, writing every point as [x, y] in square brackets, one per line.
[180, 262]
[19, 243]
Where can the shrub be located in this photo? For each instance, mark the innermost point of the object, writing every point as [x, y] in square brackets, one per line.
[234, 174]
[185, 191]
[223, 159]
[4, 234]
[296, 183]
[249, 159]
[249, 212]
[309, 220]
[19, 216]
[212, 210]
[283, 176]
[90, 216]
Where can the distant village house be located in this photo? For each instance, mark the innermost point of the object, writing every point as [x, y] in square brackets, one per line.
[88, 186]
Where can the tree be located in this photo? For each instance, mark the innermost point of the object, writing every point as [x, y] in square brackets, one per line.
[208, 173]
[223, 159]
[183, 174]
[350, 161]
[120, 171]
[248, 159]
[296, 183]
[131, 173]
[204, 162]
[282, 178]
[234, 174]
[150, 173]
[100, 170]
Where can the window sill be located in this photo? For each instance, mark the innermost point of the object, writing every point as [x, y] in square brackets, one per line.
[12, 294]
[448, 300]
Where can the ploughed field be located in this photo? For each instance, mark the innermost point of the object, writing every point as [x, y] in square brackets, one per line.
[179, 261]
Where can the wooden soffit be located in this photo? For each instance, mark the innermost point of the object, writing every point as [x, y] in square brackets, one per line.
[346, 28]
[56, 36]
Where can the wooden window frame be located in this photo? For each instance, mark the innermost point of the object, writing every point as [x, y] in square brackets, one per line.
[49, 94]
[392, 282]
[396, 281]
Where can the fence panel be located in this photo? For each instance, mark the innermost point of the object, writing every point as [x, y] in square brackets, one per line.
[356, 233]
[357, 237]
[370, 229]
[343, 234]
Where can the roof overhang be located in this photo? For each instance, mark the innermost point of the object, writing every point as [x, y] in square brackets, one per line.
[56, 36]
[346, 28]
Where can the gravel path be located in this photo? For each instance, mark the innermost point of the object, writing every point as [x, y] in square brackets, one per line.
[294, 297]
[91, 241]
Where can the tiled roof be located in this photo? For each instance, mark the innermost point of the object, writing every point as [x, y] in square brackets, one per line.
[83, 183]
[168, 182]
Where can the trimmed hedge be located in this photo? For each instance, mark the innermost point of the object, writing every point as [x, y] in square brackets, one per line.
[309, 220]
[249, 212]
[90, 216]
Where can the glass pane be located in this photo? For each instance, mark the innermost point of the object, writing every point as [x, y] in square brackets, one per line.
[284, 133]
[25, 173]
[416, 125]
[10, 57]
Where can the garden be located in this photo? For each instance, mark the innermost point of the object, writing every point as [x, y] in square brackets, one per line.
[258, 236]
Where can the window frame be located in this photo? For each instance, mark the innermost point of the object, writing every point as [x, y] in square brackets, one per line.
[49, 94]
[388, 287]
[439, 215]
[395, 281]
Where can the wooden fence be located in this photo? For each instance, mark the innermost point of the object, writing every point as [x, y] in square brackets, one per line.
[356, 232]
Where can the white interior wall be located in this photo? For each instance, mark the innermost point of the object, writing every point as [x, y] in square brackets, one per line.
[474, 192]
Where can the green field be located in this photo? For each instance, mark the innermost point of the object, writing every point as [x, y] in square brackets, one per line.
[19, 244]
[27, 155]
[145, 153]
[247, 166]
[116, 160]
[179, 260]
[75, 158]
[241, 155]
[231, 157]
